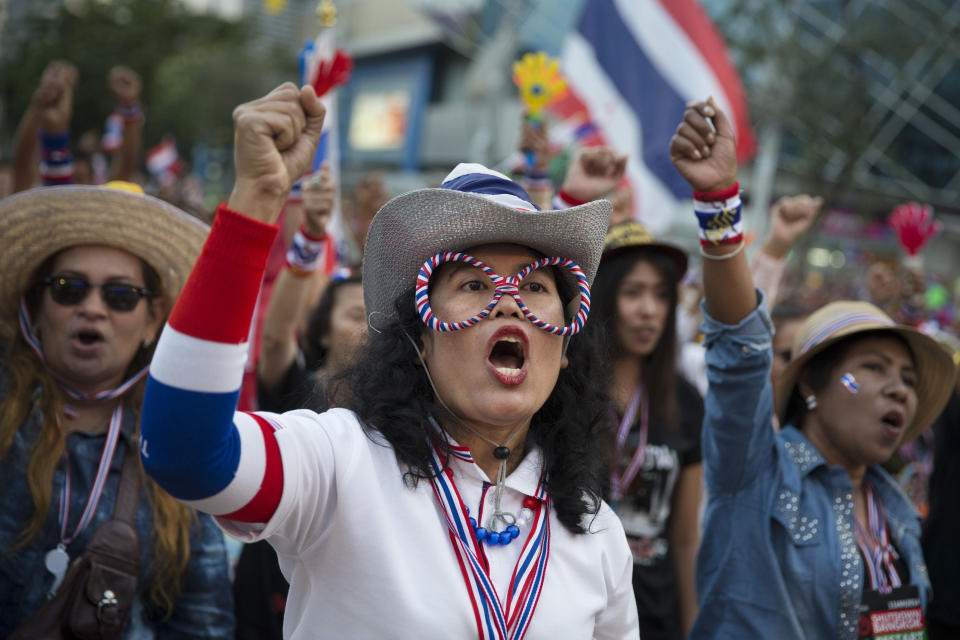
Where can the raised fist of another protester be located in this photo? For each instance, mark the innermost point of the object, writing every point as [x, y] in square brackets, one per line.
[594, 173]
[319, 192]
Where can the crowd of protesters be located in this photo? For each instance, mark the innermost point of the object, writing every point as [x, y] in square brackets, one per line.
[624, 439]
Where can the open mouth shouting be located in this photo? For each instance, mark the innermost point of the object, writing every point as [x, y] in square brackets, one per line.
[895, 420]
[87, 340]
[507, 354]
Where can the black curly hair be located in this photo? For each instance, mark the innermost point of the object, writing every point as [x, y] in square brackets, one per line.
[389, 391]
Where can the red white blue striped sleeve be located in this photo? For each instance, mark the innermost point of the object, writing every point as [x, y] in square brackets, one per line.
[193, 442]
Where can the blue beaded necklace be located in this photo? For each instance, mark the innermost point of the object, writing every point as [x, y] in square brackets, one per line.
[511, 531]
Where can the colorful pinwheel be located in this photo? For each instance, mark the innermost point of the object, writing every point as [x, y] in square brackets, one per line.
[538, 77]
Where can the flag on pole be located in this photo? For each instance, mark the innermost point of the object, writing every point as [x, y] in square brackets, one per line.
[631, 66]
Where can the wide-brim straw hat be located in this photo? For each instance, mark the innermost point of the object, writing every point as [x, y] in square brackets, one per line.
[473, 206]
[38, 223]
[632, 236]
[935, 367]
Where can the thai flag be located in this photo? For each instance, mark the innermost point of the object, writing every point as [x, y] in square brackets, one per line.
[314, 53]
[163, 160]
[631, 66]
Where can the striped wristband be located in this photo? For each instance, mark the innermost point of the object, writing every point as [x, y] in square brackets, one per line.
[564, 200]
[130, 111]
[305, 252]
[56, 163]
[718, 213]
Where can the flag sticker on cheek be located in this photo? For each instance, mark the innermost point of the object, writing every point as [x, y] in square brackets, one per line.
[849, 383]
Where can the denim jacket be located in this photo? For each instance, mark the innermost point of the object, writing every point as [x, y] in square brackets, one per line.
[204, 606]
[778, 557]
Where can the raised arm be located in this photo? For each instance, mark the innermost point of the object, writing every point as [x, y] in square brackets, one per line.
[737, 434]
[125, 84]
[296, 283]
[192, 441]
[48, 117]
[790, 218]
[704, 152]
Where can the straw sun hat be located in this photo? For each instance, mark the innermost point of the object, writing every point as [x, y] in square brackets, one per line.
[38, 223]
[473, 206]
[633, 236]
[935, 368]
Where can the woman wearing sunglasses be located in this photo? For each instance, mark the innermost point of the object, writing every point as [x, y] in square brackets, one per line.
[89, 274]
[457, 493]
[805, 535]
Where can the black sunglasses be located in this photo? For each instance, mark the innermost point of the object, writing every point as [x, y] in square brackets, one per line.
[71, 290]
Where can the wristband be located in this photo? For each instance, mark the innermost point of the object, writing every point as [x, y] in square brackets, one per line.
[56, 163]
[305, 252]
[724, 256]
[718, 214]
[113, 133]
[130, 112]
[537, 180]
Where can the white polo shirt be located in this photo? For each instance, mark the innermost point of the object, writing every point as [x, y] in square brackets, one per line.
[369, 557]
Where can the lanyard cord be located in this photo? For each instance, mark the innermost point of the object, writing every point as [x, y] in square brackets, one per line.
[879, 554]
[96, 491]
[620, 481]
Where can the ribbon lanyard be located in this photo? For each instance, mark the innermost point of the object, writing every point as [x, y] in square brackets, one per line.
[875, 546]
[96, 491]
[620, 482]
[493, 621]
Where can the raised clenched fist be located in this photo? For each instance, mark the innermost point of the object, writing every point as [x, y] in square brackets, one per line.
[274, 140]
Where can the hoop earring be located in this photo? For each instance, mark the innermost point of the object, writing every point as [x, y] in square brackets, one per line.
[811, 402]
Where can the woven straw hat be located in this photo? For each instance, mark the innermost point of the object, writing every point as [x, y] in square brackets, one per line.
[473, 206]
[38, 223]
[633, 236]
[935, 366]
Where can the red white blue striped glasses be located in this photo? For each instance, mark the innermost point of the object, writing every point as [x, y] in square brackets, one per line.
[501, 286]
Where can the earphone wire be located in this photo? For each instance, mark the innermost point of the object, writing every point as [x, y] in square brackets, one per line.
[498, 514]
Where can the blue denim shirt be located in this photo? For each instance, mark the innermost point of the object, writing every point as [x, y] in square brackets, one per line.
[778, 557]
[204, 607]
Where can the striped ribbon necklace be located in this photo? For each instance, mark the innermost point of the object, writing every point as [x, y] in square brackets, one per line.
[620, 481]
[494, 621]
[57, 559]
[879, 554]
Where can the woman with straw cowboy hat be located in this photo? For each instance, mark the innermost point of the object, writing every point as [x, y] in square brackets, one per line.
[88, 276]
[458, 494]
[805, 535]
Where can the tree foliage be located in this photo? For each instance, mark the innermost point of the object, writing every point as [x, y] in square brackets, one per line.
[196, 68]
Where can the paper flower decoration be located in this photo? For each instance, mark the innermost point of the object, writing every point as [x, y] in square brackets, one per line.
[914, 225]
[333, 72]
[538, 77]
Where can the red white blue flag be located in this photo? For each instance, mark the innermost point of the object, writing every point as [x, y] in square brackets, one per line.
[631, 66]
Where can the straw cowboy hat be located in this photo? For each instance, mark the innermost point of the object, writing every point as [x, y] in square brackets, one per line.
[633, 236]
[935, 366]
[38, 223]
[473, 206]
